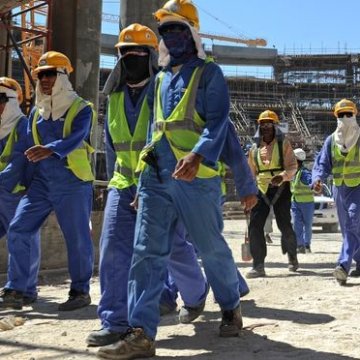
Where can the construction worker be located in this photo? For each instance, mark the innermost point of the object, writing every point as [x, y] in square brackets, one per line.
[126, 131]
[339, 157]
[302, 204]
[273, 164]
[181, 181]
[14, 172]
[59, 136]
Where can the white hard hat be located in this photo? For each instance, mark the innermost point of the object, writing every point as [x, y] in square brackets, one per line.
[300, 154]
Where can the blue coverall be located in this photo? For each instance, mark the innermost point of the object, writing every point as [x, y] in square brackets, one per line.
[17, 172]
[233, 156]
[347, 201]
[116, 245]
[54, 187]
[302, 213]
[197, 204]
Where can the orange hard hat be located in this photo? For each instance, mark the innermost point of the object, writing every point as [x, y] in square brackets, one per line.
[268, 115]
[137, 35]
[53, 60]
[345, 105]
[179, 9]
[13, 85]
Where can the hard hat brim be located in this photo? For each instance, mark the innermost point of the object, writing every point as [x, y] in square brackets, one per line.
[268, 118]
[123, 44]
[345, 109]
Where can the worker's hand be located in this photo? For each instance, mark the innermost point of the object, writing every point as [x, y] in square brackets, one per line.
[37, 153]
[277, 180]
[187, 167]
[135, 202]
[248, 202]
[318, 187]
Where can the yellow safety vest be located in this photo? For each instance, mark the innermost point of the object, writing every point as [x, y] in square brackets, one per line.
[266, 172]
[6, 154]
[301, 193]
[184, 126]
[78, 160]
[346, 168]
[127, 146]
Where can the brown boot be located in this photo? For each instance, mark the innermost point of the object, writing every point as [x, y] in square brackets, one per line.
[231, 323]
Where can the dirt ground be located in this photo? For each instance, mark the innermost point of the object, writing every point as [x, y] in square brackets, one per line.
[304, 316]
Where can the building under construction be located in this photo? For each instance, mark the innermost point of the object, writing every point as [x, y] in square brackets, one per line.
[302, 88]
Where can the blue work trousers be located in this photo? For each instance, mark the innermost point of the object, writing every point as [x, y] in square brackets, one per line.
[348, 208]
[72, 209]
[302, 216]
[116, 249]
[8, 204]
[161, 205]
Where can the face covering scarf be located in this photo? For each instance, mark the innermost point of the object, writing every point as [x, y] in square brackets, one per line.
[11, 113]
[136, 68]
[346, 133]
[180, 45]
[61, 98]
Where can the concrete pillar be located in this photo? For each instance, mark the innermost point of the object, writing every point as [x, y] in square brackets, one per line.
[76, 26]
[140, 11]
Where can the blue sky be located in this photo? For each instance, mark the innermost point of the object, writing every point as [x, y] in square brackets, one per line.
[319, 25]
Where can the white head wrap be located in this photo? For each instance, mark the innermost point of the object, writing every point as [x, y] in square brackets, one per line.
[164, 56]
[11, 113]
[347, 133]
[61, 98]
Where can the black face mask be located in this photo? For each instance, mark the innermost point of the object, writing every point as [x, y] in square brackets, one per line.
[136, 68]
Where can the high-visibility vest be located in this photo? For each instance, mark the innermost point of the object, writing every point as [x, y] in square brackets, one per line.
[127, 147]
[346, 168]
[266, 172]
[78, 160]
[6, 154]
[184, 126]
[301, 193]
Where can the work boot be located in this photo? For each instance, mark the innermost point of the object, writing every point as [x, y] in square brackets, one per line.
[256, 272]
[77, 300]
[136, 344]
[301, 250]
[28, 300]
[355, 273]
[307, 249]
[103, 337]
[188, 314]
[340, 275]
[293, 263]
[231, 323]
[166, 309]
[11, 299]
[268, 238]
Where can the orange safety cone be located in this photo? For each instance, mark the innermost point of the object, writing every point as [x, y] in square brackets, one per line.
[245, 247]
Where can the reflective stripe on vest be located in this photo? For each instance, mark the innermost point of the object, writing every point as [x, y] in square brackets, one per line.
[78, 160]
[127, 146]
[266, 172]
[6, 154]
[301, 193]
[184, 126]
[345, 168]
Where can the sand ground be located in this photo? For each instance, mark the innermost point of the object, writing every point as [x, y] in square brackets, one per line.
[304, 316]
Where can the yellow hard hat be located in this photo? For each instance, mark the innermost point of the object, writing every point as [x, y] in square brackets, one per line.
[53, 60]
[13, 85]
[268, 115]
[137, 35]
[181, 9]
[345, 105]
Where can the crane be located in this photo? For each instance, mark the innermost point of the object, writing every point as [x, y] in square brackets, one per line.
[111, 18]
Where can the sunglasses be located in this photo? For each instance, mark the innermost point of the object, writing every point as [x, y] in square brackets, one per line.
[4, 98]
[48, 74]
[347, 114]
[266, 124]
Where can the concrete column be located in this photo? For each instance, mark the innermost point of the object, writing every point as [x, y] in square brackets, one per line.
[140, 11]
[76, 26]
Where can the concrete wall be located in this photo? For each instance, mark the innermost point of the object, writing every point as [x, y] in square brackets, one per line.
[54, 255]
